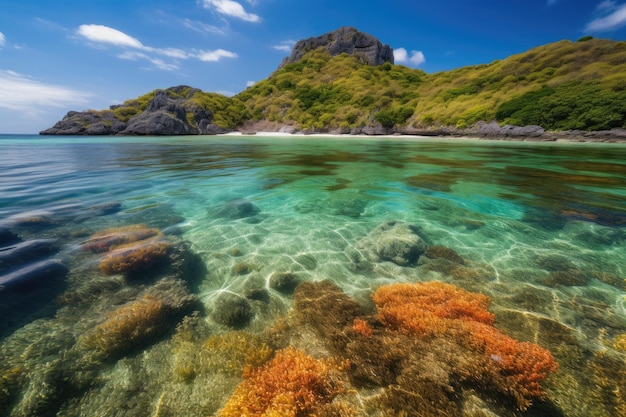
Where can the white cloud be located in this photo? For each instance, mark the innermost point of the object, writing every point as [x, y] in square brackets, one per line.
[250, 83]
[611, 17]
[22, 93]
[212, 56]
[232, 9]
[105, 34]
[401, 56]
[285, 46]
[201, 27]
[156, 62]
[3, 40]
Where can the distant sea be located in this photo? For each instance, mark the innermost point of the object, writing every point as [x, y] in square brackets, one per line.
[540, 229]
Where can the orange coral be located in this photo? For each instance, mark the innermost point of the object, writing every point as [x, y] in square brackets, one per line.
[418, 308]
[362, 327]
[291, 384]
[134, 257]
[435, 309]
[128, 326]
[108, 239]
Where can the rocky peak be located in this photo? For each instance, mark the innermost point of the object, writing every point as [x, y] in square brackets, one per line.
[345, 39]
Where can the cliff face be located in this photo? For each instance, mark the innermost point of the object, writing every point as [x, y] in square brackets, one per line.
[344, 40]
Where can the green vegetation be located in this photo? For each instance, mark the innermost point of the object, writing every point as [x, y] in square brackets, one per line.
[560, 86]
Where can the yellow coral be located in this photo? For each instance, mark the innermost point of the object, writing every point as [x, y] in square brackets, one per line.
[126, 327]
[620, 342]
[229, 353]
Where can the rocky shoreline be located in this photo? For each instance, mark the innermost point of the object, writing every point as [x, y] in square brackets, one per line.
[482, 130]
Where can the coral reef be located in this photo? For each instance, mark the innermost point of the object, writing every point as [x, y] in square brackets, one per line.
[362, 327]
[435, 310]
[428, 347]
[291, 384]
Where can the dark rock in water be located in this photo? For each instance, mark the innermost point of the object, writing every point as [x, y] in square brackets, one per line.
[105, 208]
[34, 220]
[568, 278]
[344, 40]
[284, 282]
[326, 308]
[24, 252]
[33, 276]
[257, 294]
[398, 242]
[555, 263]
[28, 293]
[442, 252]
[237, 209]
[232, 310]
[7, 237]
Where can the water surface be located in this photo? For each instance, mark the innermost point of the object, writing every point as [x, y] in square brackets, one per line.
[540, 228]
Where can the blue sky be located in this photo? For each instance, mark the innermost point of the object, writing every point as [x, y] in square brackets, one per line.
[61, 55]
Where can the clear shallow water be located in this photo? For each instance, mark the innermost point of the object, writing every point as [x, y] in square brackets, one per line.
[541, 229]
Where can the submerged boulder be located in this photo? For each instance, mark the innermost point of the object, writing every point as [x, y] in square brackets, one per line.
[232, 310]
[237, 209]
[398, 242]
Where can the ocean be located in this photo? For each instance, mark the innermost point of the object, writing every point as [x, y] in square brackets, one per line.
[163, 276]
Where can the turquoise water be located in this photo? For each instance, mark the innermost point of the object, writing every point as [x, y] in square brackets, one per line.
[541, 229]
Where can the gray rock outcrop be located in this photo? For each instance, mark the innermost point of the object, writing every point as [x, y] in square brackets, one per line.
[344, 40]
[170, 112]
[87, 123]
[168, 116]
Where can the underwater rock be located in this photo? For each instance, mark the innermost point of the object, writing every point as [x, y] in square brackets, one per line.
[569, 278]
[442, 252]
[353, 207]
[237, 209]
[29, 293]
[108, 239]
[257, 294]
[555, 263]
[7, 237]
[128, 326]
[141, 321]
[31, 277]
[21, 253]
[327, 309]
[398, 242]
[284, 282]
[232, 310]
[105, 208]
[135, 257]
